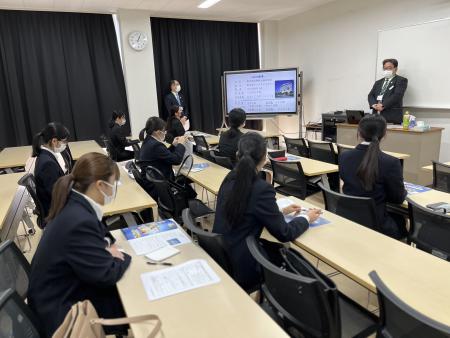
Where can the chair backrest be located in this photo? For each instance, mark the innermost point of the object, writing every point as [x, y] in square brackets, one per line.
[441, 176]
[185, 166]
[14, 215]
[289, 175]
[342, 149]
[429, 230]
[136, 150]
[212, 243]
[398, 319]
[16, 319]
[304, 302]
[360, 210]
[109, 148]
[200, 143]
[297, 146]
[223, 161]
[322, 151]
[15, 269]
[28, 181]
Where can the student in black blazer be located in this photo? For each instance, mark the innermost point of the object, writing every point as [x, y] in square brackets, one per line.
[246, 205]
[76, 258]
[155, 153]
[50, 165]
[118, 137]
[175, 124]
[386, 96]
[175, 98]
[228, 141]
[369, 172]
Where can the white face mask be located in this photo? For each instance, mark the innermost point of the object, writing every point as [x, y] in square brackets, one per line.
[388, 73]
[61, 148]
[122, 123]
[109, 199]
[178, 88]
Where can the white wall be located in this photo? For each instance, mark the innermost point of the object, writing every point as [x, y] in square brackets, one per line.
[139, 70]
[336, 47]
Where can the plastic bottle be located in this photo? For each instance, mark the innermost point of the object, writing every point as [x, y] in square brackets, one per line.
[406, 120]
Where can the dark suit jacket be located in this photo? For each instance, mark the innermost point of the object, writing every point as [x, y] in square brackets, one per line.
[262, 212]
[156, 154]
[119, 141]
[46, 172]
[228, 145]
[71, 265]
[176, 129]
[392, 98]
[389, 187]
[170, 100]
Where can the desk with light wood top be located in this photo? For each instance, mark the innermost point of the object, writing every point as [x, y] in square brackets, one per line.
[418, 278]
[8, 188]
[400, 156]
[428, 197]
[219, 310]
[18, 156]
[130, 197]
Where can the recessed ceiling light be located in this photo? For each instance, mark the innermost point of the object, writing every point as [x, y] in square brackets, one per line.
[208, 3]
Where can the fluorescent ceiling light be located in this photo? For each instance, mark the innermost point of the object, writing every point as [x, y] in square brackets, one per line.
[208, 3]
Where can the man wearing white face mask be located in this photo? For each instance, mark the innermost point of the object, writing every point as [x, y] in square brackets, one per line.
[386, 96]
[175, 98]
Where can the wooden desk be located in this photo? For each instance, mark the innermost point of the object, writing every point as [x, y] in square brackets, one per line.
[130, 197]
[428, 197]
[423, 147]
[416, 277]
[8, 184]
[18, 156]
[210, 178]
[219, 310]
[315, 168]
[400, 156]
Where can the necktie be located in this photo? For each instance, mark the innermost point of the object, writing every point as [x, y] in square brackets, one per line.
[178, 98]
[384, 88]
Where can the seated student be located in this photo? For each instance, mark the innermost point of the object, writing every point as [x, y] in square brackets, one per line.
[175, 124]
[368, 172]
[50, 165]
[118, 137]
[246, 205]
[228, 142]
[75, 259]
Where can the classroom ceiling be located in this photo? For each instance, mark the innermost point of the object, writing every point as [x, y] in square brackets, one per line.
[233, 10]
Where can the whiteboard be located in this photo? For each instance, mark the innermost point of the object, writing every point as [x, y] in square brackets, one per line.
[423, 54]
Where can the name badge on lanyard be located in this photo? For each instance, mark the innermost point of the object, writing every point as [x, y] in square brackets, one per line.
[380, 98]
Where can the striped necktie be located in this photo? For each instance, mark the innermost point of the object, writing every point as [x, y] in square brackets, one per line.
[385, 85]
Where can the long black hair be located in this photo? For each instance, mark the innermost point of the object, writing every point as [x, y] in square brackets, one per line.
[372, 128]
[236, 117]
[153, 124]
[51, 131]
[173, 110]
[251, 151]
[115, 115]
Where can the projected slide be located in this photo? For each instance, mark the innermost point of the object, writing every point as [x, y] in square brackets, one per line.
[262, 92]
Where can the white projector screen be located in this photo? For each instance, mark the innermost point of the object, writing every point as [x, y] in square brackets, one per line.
[262, 92]
[423, 53]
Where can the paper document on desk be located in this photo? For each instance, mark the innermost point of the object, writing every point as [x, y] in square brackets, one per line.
[190, 275]
[199, 167]
[292, 158]
[285, 202]
[413, 189]
[146, 238]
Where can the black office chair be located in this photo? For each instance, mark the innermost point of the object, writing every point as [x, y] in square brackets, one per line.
[213, 244]
[297, 146]
[29, 183]
[429, 230]
[222, 161]
[360, 210]
[322, 151]
[342, 149]
[16, 319]
[291, 179]
[441, 176]
[109, 148]
[15, 269]
[136, 150]
[398, 319]
[305, 301]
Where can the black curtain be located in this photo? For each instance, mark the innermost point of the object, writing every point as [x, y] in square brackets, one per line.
[196, 53]
[61, 67]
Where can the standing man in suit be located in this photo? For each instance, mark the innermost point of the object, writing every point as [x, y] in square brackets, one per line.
[386, 96]
[175, 98]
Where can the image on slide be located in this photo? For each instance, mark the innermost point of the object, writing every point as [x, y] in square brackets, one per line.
[284, 88]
